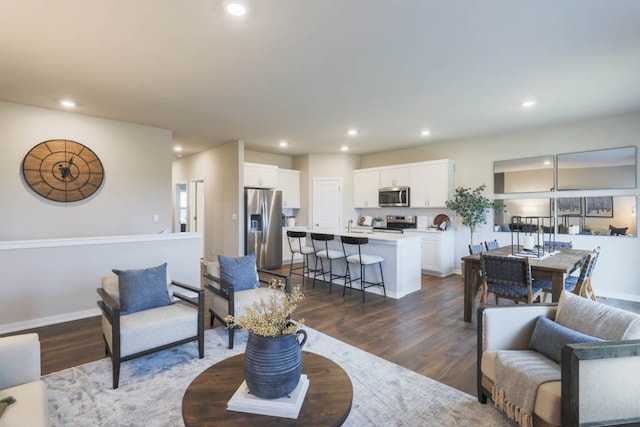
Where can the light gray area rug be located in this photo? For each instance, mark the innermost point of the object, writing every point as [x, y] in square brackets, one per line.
[152, 387]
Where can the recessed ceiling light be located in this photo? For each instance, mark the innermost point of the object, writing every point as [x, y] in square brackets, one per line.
[528, 104]
[425, 132]
[352, 132]
[177, 149]
[283, 143]
[236, 8]
[344, 148]
[67, 103]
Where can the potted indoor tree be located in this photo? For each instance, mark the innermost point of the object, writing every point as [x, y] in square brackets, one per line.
[471, 206]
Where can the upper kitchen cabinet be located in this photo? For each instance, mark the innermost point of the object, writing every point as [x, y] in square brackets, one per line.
[289, 184]
[431, 183]
[366, 183]
[394, 177]
[260, 176]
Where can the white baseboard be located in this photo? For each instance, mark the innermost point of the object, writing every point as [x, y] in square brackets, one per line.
[46, 321]
[618, 295]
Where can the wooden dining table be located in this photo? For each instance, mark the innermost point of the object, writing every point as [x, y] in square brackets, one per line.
[555, 266]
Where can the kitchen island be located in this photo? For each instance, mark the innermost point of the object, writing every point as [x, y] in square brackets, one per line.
[401, 266]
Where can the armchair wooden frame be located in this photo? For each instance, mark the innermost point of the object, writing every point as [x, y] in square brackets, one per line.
[227, 293]
[111, 310]
[578, 360]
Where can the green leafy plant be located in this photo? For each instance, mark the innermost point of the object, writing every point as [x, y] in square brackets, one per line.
[378, 218]
[471, 206]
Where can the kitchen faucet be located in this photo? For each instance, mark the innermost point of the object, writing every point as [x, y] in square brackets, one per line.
[350, 226]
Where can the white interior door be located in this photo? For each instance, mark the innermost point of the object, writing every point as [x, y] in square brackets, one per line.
[195, 210]
[327, 204]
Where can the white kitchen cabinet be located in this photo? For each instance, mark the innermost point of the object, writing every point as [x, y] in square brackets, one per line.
[366, 183]
[260, 176]
[289, 184]
[431, 183]
[394, 177]
[437, 252]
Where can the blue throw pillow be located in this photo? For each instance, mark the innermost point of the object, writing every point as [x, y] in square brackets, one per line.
[549, 338]
[143, 289]
[240, 272]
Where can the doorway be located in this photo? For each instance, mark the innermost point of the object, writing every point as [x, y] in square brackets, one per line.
[195, 211]
[327, 204]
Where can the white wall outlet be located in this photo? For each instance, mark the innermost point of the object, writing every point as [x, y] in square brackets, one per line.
[234, 217]
[156, 218]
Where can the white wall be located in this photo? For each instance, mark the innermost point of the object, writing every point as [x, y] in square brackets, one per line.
[618, 272]
[55, 280]
[220, 168]
[137, 182]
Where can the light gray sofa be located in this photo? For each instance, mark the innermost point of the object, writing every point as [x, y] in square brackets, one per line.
[597, 382]
[20, 378]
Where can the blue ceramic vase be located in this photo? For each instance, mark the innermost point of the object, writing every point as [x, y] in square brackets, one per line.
[273, 365]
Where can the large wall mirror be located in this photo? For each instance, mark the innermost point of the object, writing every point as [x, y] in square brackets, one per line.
[601, 169]
[593, 215]
[528, 175]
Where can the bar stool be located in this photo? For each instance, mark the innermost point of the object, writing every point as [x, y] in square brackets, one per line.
[323, 252]
[297, 246]
[363, 260]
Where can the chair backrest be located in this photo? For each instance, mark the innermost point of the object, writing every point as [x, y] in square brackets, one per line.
[295, 240]
[319, 237]
[493, 245]
[588, 266]
[476, 249]
[557, 245]
[506, 270]
[353, 240]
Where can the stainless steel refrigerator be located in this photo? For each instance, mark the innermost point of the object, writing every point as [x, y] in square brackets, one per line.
[263, 226]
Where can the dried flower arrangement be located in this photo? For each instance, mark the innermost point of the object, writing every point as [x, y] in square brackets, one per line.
[270, 317]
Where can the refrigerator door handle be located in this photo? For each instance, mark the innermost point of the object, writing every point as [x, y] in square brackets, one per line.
[265, 219]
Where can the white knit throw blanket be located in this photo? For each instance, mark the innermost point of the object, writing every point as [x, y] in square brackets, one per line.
[518, 375]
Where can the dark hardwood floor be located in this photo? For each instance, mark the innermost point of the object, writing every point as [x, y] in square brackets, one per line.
[423, 331]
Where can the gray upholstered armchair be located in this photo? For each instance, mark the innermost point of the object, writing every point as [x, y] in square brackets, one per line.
[578, 363]
[238, 285]
[20, 379]
[163, 314]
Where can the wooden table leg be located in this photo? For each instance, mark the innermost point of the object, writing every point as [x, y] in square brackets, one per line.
[469, 290]
[557, 279]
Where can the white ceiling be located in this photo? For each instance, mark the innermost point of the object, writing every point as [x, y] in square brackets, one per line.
[307, 70]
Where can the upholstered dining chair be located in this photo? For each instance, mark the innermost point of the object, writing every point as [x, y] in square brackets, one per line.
[507, 277]
[144, 311]
[475, 250]
[492, 245]
[581, 284]
[236, 283]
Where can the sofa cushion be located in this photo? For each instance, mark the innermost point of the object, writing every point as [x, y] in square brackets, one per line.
[241, 300]
[153, 328]
[240, 272]
[549, 403]
[549, 338]
[597, 319]
[31, 407]
[143, 289]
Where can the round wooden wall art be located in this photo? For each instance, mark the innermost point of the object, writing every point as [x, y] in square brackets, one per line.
[63, 170]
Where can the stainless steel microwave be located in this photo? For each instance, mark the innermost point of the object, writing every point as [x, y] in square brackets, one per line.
[393, 196]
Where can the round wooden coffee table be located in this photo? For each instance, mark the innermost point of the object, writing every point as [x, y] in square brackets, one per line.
[328, 400]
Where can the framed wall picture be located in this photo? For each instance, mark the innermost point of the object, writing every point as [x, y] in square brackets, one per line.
[568, 206]
[598, 207]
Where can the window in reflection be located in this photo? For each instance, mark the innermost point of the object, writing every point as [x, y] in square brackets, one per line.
[533, 174]
[601, 169]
